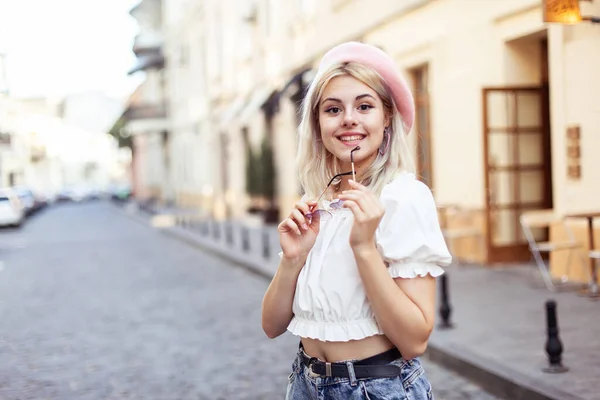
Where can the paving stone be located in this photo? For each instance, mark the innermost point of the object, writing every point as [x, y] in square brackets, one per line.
[96, 306]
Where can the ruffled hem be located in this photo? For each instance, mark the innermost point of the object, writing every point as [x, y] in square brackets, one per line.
[334, 331]
[412, 270]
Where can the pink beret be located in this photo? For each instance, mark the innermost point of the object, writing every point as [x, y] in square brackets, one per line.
[383, 64]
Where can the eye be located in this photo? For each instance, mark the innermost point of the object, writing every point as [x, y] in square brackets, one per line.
[365, 107]
[333, 110]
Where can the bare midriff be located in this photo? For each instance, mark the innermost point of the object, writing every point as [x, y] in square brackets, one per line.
[342, 351]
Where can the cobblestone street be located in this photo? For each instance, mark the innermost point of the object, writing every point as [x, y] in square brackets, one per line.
[95, 305]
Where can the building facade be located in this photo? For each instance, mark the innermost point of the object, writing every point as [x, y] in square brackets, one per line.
[502, 99]
[145, 115]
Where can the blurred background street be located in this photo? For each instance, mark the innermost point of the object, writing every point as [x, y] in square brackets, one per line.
[98, 306]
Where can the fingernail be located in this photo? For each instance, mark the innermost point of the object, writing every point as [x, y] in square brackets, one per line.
[304, 226]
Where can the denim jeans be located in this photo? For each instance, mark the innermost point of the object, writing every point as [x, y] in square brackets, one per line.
[411, 384]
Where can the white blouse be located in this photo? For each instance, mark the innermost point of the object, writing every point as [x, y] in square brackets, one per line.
[330, 303]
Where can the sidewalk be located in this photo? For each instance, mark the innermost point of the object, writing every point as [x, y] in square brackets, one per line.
[499, 314]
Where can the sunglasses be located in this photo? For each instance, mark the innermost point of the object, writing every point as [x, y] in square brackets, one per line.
[337, 204]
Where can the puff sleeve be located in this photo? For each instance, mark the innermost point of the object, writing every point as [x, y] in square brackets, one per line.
[409, 237]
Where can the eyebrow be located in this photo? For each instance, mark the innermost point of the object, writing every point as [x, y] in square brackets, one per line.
[362, 96]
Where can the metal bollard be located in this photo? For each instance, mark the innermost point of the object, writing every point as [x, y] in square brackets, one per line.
[216, 230]
[245, 239]
[266, 246]
[228, 233]
[445, 308]
[554, 347]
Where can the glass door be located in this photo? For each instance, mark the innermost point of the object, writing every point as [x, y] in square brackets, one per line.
[517, 164]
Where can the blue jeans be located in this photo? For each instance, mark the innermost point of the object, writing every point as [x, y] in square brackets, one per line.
[411, 384]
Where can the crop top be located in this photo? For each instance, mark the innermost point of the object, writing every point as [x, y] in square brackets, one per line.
[330, 303]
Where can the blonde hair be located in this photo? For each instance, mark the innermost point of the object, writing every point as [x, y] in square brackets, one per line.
[316, 165]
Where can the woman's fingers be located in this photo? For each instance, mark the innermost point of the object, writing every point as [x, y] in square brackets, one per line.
[290, 223]
[358, 186]
[366, 201]
[359, 215]
[303, 207]
[356, 197]
[299, 218]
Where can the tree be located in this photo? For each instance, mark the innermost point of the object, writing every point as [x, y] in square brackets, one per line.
[260, 178]
[268, 174]
[253, 179]
[268, 171]
[119, 132]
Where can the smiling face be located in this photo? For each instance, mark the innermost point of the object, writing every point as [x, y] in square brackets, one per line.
[351, 114]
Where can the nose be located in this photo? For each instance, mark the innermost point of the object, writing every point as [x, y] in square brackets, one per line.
[349, 119]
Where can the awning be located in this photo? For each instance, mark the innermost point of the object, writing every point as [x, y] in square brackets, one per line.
[298, 82]
[233, 110]
[297, 79]
[146, 61]
[257, 99]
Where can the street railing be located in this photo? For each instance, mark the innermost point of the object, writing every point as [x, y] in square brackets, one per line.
[258, 240]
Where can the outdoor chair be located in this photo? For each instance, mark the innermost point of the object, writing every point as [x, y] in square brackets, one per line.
[541, 219]
[464, 228]
[595, 255]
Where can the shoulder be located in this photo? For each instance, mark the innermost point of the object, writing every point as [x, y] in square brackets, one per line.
[405, 188]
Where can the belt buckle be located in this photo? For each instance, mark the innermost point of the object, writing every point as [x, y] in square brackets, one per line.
[327, 369]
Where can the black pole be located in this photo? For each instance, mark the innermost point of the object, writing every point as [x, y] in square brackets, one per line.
[554, 347]
[228, 233]
[266, 249]
[245, 239]
[445, 308]
[216, 230]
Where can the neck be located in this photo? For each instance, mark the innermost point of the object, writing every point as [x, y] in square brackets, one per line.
[359, 168]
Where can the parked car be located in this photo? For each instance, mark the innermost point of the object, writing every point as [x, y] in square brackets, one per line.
[120, 192]
[27, 199]
[12, 211]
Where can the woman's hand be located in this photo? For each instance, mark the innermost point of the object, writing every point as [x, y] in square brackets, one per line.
[367, 211]
[298, 233]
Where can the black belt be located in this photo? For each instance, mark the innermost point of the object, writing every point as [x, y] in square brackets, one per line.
[373, 367]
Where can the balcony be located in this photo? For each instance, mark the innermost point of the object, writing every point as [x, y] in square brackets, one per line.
[38, 153]
[5, 139]
[146, 111]
[148, 61]
[147, 42]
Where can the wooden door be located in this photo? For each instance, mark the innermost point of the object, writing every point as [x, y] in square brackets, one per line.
[517, 166]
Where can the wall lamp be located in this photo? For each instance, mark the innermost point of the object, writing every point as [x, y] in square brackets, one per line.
[565, 12]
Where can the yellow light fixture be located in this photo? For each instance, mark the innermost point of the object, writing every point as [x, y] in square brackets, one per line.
[562, 11]
[565, 12]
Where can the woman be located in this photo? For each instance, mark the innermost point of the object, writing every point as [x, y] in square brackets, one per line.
[361, 251]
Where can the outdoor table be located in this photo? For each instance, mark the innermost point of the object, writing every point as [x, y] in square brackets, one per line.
[593, 285]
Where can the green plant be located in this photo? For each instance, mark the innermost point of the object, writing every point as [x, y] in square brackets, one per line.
[253, 167]
[268, 171]
[119, 132]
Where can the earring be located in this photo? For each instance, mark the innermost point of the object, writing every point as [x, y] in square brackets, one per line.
[386, 141]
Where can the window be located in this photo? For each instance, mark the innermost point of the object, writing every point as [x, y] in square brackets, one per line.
[422, 124]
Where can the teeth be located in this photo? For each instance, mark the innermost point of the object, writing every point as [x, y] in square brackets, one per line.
[350, 138]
